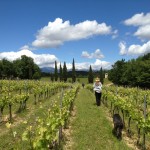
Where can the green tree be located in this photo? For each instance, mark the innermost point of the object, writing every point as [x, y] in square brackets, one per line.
[36, 75]
[129, 75]
[27, 67]
[64, 72]
[73, 72]
[36, 72]
[56, 72]
[144, 74]
[90, 75]
[1, 69]
[17, 68]
[135, 72]
[101, 75]
[60, 73]
[52, 77]
[7, 68]
[23, 68]
[116, 72]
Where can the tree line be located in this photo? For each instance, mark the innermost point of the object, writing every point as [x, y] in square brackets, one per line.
[61, 74]
[135, 72]
[23, 68]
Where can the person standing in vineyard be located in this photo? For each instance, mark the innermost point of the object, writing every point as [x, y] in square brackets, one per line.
[98, 89]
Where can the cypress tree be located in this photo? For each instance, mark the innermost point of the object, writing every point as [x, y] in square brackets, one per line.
[60, 73]
[101, 76]
[52, 77]
[56, 72]
[90, 75]
[73, 72]
[64, 72]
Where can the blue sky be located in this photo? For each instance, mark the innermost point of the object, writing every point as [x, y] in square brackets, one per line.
[93, 32]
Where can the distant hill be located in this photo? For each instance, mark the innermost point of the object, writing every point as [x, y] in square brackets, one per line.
[79, 73]
[47, 69]
[51, 69]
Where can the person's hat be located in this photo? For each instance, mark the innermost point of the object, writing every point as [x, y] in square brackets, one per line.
[97, 79]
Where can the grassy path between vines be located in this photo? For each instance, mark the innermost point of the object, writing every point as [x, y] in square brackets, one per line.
[90, 129]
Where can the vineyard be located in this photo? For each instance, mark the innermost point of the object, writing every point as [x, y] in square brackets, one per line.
[134, 106]
[33, 114]
[43, 131]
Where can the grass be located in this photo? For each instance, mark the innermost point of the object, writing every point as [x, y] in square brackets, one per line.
[47, 79]
[91, 130]
[79, 80]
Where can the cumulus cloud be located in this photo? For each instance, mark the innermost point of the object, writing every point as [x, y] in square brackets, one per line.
[96, 54]
[122, 46]
[95, 66]
[138, 20]
[27, 47]
[98, 64]
[42, 60]
[57, 32]
[135, 49]
[48, 60]
[142, 22]
[143, 32]
[85, 54]
[78, 66]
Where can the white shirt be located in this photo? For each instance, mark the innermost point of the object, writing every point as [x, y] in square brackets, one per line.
[97, 87]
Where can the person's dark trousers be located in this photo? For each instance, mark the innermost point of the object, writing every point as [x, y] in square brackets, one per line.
[98, 98]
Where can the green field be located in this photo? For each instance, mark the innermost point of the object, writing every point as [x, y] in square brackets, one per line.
[79, 80]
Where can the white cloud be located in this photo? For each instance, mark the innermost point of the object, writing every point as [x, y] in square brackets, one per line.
[96, 54]
[27, 47]
[57, 32]
[138, 20]
[79, 66]
[47, 60]
[98, 64]
[95, 66]
[143, 23]
[42, 60]
[85, 54]
[139, 49]
[136, 49]
[122, 46]
[143, 32]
